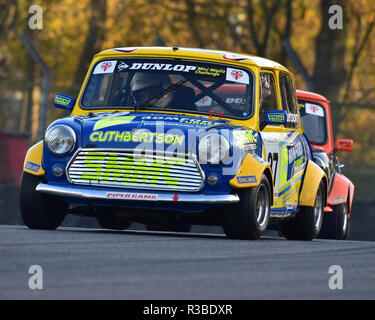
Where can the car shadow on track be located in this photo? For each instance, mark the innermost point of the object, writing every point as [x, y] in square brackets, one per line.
[161, 233]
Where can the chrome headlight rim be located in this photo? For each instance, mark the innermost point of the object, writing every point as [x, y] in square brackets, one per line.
[203, 155]
[71, 132]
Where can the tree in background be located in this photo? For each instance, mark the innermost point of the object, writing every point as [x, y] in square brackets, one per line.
[340, 62]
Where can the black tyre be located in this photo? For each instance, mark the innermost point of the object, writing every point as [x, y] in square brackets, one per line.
[335, 223]
[108, 219]
[169, 227]
[249, 218]
[39, 210]
[307, 223]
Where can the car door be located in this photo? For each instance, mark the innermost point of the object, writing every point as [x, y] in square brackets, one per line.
[293, 149]
[272, 135]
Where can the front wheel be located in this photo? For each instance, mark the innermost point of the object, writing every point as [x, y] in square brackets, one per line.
[39, 210]
[308, 222]
[249, 218]
[335, 223]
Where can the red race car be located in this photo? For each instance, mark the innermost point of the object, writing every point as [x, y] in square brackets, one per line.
[316, 118]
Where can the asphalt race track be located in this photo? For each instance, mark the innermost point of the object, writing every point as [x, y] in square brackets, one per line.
[101, 264]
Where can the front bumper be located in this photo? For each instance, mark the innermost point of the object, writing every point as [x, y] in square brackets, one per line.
[94, 194]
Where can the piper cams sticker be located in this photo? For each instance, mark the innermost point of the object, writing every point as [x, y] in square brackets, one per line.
[105, 67]
[236, 75]
[131, 196]
[314, 109]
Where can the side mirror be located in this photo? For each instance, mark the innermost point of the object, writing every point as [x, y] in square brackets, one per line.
[62, 101]
[344, 145]
[275, 117]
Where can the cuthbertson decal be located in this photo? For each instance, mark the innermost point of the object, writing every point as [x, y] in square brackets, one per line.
[137, 136]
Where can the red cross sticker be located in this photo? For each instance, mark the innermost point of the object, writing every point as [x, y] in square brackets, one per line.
[236, 74]
[106, 65]
[314, 109]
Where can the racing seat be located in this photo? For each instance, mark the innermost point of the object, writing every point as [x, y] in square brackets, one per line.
[183, 98]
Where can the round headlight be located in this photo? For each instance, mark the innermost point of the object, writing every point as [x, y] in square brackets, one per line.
[60, 140]
[213, 149]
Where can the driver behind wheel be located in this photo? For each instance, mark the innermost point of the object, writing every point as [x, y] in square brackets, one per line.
[146, 86]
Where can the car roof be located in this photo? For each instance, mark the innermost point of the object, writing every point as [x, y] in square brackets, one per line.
[193, 53]
[301, 94]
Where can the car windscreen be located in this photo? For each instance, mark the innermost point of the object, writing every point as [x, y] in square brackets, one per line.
[313, 121]
[181, 85]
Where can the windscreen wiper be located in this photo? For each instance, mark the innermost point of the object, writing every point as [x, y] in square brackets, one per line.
[171, 88]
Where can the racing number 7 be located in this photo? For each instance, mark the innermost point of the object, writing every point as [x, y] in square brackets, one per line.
[273, 159]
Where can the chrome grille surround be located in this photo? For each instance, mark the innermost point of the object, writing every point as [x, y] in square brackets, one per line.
[123, 168]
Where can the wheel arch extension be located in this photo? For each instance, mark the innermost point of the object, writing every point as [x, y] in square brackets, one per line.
[313, 177]
[342, 191]
[251, 172]
[33, 160]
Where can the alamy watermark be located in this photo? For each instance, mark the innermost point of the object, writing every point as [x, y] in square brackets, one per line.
[36, 280]
[335, 281]
[36, 20]
[336, 21]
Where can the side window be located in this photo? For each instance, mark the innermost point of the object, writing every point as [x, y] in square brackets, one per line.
[268, 100]
[288, 100]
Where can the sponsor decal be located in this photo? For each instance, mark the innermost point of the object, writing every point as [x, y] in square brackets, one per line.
[247, 179]
[113, 121]
[237, 75]
[133, 171]
[130, 196]
[64, 101]
[250, 147]
[292, 117]
[122, 66]
[245, 136]
[198, 122]
[105, 67]
[162, 67]
[192, 121]
[276, 117]
[291, 205]
[295, 152]
[314, 109]
[298, 163]
[337, 200]
[212, 72]
[235, 100]
[34, 167]
[136, 136]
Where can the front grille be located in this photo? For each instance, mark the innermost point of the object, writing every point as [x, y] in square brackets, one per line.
[125, 169]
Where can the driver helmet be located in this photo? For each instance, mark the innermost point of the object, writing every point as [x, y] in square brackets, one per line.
[145, 86]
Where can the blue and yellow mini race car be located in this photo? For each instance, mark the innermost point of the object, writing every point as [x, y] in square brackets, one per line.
[155, 136]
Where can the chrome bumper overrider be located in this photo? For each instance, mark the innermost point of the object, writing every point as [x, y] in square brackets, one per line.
[86, 193]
